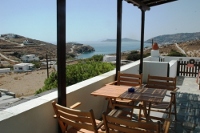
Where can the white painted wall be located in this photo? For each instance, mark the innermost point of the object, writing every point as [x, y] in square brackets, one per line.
[173, 68]
[109, 58]
[29, 58]
[134, 66]
[4, 70]
[22, 67]
[154, 68]
[36, 116]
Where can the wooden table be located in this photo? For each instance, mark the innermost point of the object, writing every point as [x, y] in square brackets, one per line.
[142, 93]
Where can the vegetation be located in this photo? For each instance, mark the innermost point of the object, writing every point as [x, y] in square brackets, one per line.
[96, 58]
[36, 64]
[78, 72]
[17, 54]
[70, 56]
[175, 53]
[135, 55]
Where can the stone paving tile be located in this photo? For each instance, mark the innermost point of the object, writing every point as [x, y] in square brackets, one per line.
[188, 107]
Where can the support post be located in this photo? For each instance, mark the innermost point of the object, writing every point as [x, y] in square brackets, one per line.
[119, 32]
[61, 51]
[142, 41]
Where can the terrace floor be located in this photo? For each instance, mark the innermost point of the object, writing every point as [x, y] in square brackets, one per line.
[188, 107]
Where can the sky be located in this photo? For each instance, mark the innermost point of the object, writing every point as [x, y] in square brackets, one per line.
[96, 20]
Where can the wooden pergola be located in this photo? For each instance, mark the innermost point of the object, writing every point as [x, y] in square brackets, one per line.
[143, 5]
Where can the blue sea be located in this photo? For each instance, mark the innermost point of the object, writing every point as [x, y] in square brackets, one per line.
[110, 48]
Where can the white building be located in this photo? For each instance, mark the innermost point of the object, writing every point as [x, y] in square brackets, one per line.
[109, 58]
[28, 42]
[23, 67]
[29, 58]
[4, 70]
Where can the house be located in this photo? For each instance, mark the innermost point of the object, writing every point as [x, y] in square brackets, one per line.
[4, 70]
[23, 67]
[112, 59]
[28, 42]
[29, 58]
[109, 58]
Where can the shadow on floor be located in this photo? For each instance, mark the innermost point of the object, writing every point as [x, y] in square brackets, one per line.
[188, 114]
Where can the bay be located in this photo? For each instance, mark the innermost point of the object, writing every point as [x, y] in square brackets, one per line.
[103, 48]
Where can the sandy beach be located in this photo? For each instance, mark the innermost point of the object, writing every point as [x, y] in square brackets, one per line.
[23, 84]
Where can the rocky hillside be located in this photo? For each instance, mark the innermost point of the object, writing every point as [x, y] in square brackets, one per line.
[175, 38]
[191, 48]
[13, 46]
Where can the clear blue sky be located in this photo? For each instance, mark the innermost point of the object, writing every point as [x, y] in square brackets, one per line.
[95, 20]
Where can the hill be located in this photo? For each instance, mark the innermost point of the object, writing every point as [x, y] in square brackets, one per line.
[191, 48]
[123, 40]
[175, 38]
[13, 46]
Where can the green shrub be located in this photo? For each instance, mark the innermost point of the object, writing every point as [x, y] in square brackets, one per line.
[135, 55]
[95, 58]
[78, 72]
[36, 64]
[176, 53]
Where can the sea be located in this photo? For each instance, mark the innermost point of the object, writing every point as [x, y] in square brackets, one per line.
[103, 48]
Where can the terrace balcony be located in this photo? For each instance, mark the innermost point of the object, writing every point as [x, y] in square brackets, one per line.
[36, 115]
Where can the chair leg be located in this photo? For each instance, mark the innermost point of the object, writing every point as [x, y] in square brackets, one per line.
[139, 116]
[175, 109]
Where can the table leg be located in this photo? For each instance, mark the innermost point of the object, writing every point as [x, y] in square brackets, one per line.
[148, 114]
[146, 110]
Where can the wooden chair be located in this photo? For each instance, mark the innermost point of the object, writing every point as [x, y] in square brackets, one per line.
[116, 125]
[75, 121]
[168, 83]
[125, 79]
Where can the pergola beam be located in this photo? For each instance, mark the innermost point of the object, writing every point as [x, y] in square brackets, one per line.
[146, 4]
[158, 2]
[139, 3]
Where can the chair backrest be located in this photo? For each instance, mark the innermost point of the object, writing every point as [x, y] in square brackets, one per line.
[68, 117]
[116, 125]
[160, 82]
[129, 79]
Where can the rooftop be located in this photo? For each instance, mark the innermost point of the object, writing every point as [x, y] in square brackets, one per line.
[27, 110]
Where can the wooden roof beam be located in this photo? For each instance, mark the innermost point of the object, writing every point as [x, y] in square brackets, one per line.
[158, 2]
[139, 4]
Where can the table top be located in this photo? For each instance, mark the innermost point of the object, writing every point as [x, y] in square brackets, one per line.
[140, 94]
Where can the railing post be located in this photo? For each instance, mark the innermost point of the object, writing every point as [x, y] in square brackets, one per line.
[178, 68]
